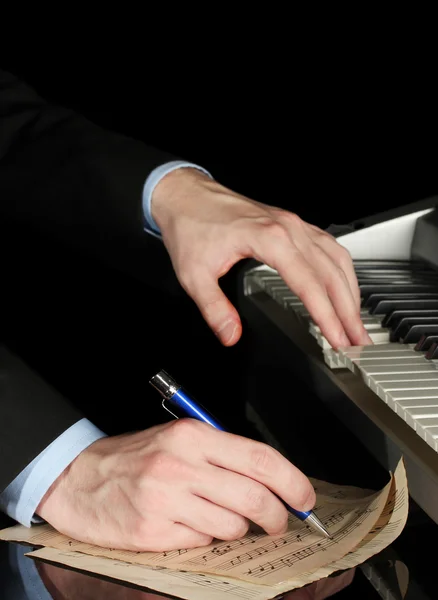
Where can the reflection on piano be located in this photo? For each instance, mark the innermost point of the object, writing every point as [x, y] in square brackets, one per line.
[386, 394]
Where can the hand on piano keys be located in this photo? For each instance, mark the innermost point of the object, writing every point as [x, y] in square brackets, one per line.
[208, 228]
[399, 309]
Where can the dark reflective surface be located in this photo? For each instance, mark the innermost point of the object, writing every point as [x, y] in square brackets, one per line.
[22, 578]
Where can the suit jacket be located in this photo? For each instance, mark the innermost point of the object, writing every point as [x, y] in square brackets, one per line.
[90, 307]
[61, 178]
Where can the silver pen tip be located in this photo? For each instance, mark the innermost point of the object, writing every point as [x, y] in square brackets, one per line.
[313, 520]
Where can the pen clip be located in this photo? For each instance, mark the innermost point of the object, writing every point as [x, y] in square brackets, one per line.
[163, 404]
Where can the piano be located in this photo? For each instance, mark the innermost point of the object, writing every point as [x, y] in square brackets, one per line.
[385, 395]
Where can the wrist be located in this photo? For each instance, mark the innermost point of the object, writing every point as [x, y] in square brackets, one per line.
[62, 491]
[174, 190]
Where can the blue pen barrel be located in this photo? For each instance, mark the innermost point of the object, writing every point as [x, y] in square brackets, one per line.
[180, 400]
[181, 405]
[299, 513]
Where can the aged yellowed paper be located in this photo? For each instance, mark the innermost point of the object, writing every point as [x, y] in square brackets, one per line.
[362, 523]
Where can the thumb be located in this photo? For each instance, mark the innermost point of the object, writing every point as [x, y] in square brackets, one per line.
[217, 310]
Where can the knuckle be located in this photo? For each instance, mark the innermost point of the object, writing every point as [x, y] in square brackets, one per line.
[263, 458]
[256, 501]
[234, 528]
[292, 219]
[343, 256]
[275, 230]
[161, 464]
[183, 430]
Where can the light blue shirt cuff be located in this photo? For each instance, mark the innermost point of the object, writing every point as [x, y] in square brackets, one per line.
[21, 498]
[149, 186]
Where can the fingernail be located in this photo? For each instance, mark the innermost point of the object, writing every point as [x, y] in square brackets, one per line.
[227, 331]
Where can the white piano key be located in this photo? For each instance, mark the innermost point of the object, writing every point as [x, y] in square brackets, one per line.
[376, 380]
[431, 437]
[380, 351]
[416, 415]
[358, 365]
[422, 425]
[369, 323]
[390, 348]
[331, 359]
[368, 372]
[383, 389]
[416, 384]
[399, 405]
[413, 394]
[405, 403]
[379, 337]
[388, 368]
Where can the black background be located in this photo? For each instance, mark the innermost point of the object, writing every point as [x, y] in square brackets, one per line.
[333, 138]
[330, 137]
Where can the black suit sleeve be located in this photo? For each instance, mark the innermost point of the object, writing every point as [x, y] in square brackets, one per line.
[32, 415]
[65, 177]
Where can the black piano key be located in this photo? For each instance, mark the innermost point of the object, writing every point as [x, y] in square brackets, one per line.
[392, 319]
[397, 281]
[425, 342]
[395, 273]
[403, 326]
[432, 353]
[374, 299]
[415, 332]
[390, 264]
[366, 290]
[386, 306]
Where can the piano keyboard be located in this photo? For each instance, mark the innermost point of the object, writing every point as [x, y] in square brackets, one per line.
[399, 309]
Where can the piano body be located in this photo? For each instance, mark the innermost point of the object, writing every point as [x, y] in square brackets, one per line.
[385, 395]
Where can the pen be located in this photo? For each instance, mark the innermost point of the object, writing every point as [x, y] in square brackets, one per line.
[179, 404]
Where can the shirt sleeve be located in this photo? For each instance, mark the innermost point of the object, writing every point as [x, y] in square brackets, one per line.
[153, 179]
[22, 496]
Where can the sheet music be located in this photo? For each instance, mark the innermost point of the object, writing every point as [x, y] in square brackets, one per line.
[362, 524]
[188, 586]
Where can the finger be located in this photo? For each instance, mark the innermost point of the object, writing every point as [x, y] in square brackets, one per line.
[341, 257]
[176, 536]
[244, 496]
[341, 297]
[211, 519]
[217, 310]
[259, 462]
[303, 272]
[345, 304]
[300, 276]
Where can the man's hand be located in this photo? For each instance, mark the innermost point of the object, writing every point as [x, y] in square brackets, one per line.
[207, 228]
[177, 485]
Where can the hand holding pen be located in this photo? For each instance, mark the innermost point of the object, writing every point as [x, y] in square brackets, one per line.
[180, 404]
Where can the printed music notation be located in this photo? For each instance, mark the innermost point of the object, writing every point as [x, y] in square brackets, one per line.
[264, 549]
[289, 559]
[361, 524]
